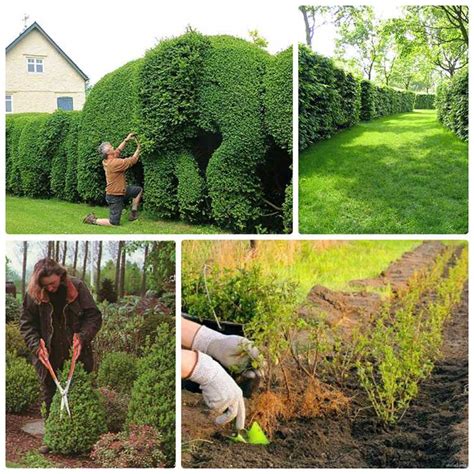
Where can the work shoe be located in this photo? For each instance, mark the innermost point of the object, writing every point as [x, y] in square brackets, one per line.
[133, 215]
[90, 219]
[43, 449]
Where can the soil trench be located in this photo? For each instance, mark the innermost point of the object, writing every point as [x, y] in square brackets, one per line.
[432, 433]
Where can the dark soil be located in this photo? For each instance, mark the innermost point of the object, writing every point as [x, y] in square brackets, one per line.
[433, 432]
[18, 443]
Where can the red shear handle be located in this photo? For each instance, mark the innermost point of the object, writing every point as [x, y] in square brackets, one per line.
[43, 356]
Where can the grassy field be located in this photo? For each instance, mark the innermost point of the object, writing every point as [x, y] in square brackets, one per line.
[398, 174]
[329, 263]
[51, 216]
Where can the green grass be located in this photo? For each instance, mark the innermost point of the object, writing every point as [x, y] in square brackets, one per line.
[51, 216]
[398, 174]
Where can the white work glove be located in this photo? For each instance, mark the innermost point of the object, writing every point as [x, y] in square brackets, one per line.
[219, 391]
[233, 352]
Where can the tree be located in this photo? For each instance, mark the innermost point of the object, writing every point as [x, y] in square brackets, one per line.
[99, 260]
[84, 266]
[64, 253]
[260, 41]
[145, 263]
[23, 270]
[117, 266]
[74, 263]
[123, 264]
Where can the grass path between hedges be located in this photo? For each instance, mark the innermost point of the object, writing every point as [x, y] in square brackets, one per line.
[51, 216]
[399, 174]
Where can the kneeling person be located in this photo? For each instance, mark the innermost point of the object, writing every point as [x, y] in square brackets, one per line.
[117, 193]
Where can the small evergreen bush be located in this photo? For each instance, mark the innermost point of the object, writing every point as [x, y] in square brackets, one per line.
[117, 371]
[21, 382]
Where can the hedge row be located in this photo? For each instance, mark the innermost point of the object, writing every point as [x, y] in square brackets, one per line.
[212, 114]
[330, 99]
[425, 101]
[452, 102]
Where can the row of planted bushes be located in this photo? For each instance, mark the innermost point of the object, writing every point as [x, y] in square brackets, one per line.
[330, 99]
[452, 102]
[214, 115]
[425, 101]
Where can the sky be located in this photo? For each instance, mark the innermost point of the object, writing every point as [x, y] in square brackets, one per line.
[325, 37]
[101, 36]
[36, 251]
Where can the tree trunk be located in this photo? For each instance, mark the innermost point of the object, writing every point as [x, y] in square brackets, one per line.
[143, 287]
[50, 249]
[64, 253]
[56, 253]
[122, 272]
[117, 267]
[86, 254]
[97, 275]
[23, 271]
[74, 263]
[307, 27]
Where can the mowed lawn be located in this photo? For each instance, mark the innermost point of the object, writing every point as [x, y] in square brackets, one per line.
[51, 216]
[399, 174]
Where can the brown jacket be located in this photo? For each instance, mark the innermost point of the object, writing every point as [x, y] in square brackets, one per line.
[115, 174]
[81, 314]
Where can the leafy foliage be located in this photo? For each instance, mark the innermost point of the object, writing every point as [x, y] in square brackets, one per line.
[21, 384]
[12, 309]
[452, 102]
[72, 157]
[109, 114]
[116, 407]
[153, 394]
[78, 433]
[140, 447]
[117, 371]
[425, 101]
[14, 341]
[107, 292]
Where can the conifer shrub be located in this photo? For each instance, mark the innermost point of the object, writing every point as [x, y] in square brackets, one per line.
[425, 101]
[21, 384]
[153, 395]
[78, 433]
[117, 371]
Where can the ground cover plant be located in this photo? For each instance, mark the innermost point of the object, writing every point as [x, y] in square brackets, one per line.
[214, 116]
[357, 366]
[369, 157]
[122, 413]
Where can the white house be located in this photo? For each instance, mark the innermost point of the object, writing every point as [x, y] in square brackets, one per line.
[40, 76]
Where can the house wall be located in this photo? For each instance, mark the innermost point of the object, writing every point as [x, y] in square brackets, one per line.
[38, 92]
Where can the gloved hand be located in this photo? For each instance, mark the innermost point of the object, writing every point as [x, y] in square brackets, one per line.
[219, 391]
[233, 352]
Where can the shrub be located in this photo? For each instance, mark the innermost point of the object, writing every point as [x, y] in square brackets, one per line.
[107, 292]
[153, 394]
[109, 114]
[191, 193]
[278, 82]
[367, 100]
[117, 371]
[33, 167]
[72, 157]
[12, 309]
[116, 407]
[139, 448]
[348, 95]
[21, 384]
[452, 102]
[15, 343]
[78, 433]
[288, 210]
[14, 125]
[425, 101]
[58, 126]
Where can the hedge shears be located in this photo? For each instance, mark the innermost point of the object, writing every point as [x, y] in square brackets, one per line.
[63, 391]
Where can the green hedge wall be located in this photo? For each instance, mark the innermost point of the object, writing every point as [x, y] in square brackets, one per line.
[278, 101]
[425, 101]
[330, 99]
[212, 114]
[109, 114]
[452, 102]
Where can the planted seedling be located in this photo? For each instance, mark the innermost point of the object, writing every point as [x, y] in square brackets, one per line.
[254, 435]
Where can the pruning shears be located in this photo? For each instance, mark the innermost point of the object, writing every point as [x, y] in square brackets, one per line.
[63, 391]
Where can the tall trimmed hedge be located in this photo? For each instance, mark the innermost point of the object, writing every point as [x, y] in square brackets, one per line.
[279, 99]
[214, 116]
[425, 101]
[452, 102]
[330, 99]
[109, 114]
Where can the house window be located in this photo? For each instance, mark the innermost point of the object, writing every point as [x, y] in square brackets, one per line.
[35, 65]
[65, 103]
[8, 103]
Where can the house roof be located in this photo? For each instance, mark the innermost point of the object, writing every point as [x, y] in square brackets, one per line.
[36, 26]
